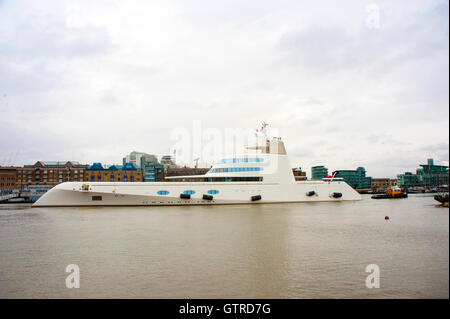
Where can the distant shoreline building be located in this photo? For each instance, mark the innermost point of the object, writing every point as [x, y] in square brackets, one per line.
[137, 157]
[355, 178]
[382, 183]
[408, 179]
[50, 173]
[153, 172]
[319, 172]
[299, 175]
[168, 161]
[8, 178]
[429, 175]
[114, 173]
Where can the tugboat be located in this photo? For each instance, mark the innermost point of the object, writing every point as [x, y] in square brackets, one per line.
[392, 192]
[442, 198]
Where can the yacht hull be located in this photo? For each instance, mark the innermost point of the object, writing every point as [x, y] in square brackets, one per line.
[146, 194]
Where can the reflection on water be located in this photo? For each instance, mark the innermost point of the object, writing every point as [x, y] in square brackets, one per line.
[317, 250]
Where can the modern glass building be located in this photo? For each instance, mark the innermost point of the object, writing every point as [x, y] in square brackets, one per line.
[408, 179]
[153, 171]
[137, 157]
[431, 175]
[428, 175]
[355, 178]
[319, 172]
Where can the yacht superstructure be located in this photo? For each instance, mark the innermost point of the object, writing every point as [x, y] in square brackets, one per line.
[264, 176]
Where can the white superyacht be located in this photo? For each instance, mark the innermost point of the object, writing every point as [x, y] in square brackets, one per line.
[264, 176]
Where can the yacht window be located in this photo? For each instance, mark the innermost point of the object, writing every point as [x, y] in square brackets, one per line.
[240, 160]
[235, 169]
[163, 193]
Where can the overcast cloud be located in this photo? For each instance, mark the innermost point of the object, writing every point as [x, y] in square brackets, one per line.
[92, 81]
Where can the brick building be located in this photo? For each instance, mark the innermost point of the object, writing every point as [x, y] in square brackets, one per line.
[380, 183]
[8, 178]
[114, 173]
[49, 173]
[299, 175]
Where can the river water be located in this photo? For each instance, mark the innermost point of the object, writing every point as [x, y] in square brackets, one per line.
[317, 250]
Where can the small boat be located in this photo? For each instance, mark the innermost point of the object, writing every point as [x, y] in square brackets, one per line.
[392, 192]
[442, 198]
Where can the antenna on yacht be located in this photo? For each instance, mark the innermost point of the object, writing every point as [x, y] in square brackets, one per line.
[196, 162]
[263, 129]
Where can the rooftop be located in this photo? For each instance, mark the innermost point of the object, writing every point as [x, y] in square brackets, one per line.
[55, 164]
[114, 167]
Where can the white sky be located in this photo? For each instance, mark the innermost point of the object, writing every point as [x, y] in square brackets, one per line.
[92, 81]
